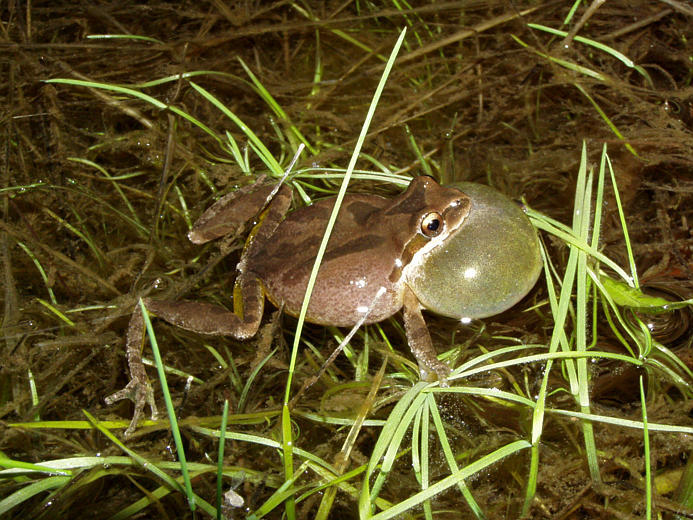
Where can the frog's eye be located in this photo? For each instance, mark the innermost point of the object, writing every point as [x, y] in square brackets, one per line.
[432, 224]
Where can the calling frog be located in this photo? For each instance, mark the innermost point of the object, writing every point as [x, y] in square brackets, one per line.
[384, 254]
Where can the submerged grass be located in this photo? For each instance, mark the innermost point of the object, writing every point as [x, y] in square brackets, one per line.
[417, 415]
[367, 439]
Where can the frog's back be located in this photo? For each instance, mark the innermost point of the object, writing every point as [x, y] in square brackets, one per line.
[360, 258]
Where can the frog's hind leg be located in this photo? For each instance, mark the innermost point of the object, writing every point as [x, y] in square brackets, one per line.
[223, 217]
[200, 317]
[207, 318]
[138, 389]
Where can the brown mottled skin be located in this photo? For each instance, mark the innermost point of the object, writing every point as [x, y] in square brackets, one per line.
[372, 243]
[354, 266]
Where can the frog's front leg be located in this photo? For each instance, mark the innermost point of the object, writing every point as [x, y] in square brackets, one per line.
[420, 339]
[200, 317]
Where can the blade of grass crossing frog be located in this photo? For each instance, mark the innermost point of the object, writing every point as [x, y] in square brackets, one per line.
[286, 422]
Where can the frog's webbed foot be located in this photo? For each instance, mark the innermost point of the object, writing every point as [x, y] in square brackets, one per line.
[420, 341]
[141, 394]
[139, 390]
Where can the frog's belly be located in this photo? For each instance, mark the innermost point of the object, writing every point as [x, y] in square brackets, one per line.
[359, 260]
[339, 300]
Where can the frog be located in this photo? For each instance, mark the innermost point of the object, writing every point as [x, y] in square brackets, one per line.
[375, 244]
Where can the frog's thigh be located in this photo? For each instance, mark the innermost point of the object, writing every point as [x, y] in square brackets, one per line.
[206, 318]
[229, 213]
[420, 339]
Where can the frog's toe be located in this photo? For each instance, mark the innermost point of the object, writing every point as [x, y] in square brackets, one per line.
[443, 371]
[140, 394]
[439, 371]
[443, 380]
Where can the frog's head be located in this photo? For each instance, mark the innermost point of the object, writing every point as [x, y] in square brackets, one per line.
[484, 265]
[422, 218]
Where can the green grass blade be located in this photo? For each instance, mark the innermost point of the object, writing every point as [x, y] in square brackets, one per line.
[646, 452]
[44, 277]
[597, 45]
[326, 237]
[29, 491]
[582, 298]
[276, 108]
[220, 456]
[450, 457]
[264, 154]
[169, 406]
[451, 480]
[606, 119]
